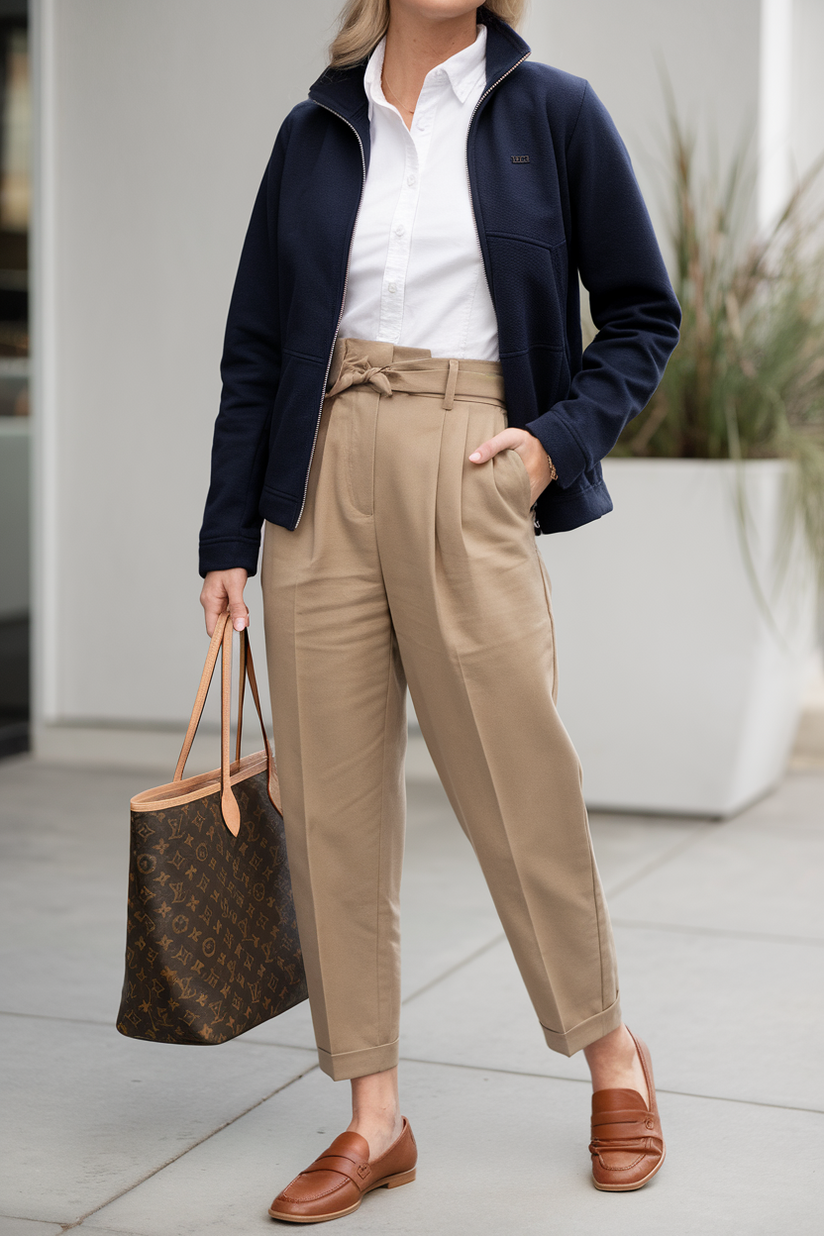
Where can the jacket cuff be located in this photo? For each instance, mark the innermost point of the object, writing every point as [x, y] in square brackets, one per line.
[561, 446]
[226, 555]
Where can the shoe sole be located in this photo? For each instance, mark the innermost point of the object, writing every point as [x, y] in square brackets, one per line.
[390, 1182]
[628, 1188]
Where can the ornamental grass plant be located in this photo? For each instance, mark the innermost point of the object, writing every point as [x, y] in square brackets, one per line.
[746, 380]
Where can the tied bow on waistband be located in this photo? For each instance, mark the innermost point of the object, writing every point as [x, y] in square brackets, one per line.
[360, 373]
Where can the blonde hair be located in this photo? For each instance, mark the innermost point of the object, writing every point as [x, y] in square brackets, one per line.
[363, 23]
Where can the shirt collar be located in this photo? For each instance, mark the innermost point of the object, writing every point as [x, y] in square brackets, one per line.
[463, 70]
[466, 67]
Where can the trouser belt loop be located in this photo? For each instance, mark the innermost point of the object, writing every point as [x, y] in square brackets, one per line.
[451, 384]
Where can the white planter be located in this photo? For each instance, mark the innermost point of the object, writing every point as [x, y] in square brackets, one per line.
[677, 692]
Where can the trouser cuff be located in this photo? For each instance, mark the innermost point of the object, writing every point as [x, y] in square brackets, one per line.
[585, 1032]
[342, 1066]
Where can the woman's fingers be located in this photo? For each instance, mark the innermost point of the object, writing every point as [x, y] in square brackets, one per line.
[223, 590]
[213, 605]
[506, 440]
[234, 591]
[528, 447]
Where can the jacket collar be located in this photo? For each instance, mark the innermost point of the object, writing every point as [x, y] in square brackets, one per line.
[341, 90]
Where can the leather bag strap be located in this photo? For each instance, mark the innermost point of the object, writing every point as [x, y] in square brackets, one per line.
[202, 692]
[241, 688]
[228, 803]
[221, 643]
[248, 670]
[274, 787]
[249, 665]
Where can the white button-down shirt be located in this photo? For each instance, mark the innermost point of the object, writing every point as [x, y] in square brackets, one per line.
[416, 275]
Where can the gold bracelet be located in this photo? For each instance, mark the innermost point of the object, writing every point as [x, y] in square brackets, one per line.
[553, 471]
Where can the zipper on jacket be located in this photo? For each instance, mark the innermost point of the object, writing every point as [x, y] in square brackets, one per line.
[485, 94]
[488, 91]
[332, 111]
[342, 303]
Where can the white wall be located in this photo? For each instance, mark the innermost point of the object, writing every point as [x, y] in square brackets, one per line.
[808, 90]
[155, 122]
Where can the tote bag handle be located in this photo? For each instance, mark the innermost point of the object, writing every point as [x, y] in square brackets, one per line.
[222, 643]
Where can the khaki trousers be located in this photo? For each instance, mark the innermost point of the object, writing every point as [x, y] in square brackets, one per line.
[411, 564]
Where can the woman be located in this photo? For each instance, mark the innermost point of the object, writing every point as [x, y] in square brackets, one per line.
[405, 404]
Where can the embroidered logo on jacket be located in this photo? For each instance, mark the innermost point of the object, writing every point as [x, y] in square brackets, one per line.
[520, 158]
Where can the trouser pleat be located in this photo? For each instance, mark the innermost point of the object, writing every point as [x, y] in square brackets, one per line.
[412, 563]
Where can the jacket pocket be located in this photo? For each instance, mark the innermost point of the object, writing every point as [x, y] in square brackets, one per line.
[530, 281]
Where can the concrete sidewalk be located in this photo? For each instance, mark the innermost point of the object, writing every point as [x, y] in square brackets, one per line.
[721, 944]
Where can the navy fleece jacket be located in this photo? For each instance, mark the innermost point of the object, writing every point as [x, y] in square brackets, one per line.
[554, 194]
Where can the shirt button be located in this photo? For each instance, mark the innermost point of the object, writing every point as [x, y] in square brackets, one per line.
[410, 180]
[400, 229]
[393, 287]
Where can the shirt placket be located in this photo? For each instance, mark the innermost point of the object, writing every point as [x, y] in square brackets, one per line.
[416, 145]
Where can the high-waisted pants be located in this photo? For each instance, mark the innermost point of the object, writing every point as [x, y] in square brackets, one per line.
[411, 564]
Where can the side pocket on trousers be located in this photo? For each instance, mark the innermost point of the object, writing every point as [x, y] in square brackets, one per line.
[512, 480]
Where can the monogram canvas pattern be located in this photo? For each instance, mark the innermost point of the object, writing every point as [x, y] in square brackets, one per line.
[212, 944]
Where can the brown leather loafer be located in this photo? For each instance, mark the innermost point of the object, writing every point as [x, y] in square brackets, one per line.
[627, 1144]
[335, 1183]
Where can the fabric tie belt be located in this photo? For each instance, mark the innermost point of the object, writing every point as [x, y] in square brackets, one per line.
[387, 369]
[358, 372]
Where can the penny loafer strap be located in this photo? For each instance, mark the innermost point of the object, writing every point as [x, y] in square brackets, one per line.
[639, 1145]
[358, 1171]
[642, 1120]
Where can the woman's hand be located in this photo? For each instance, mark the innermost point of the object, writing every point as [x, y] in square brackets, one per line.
[223, 590]
[536, 460]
